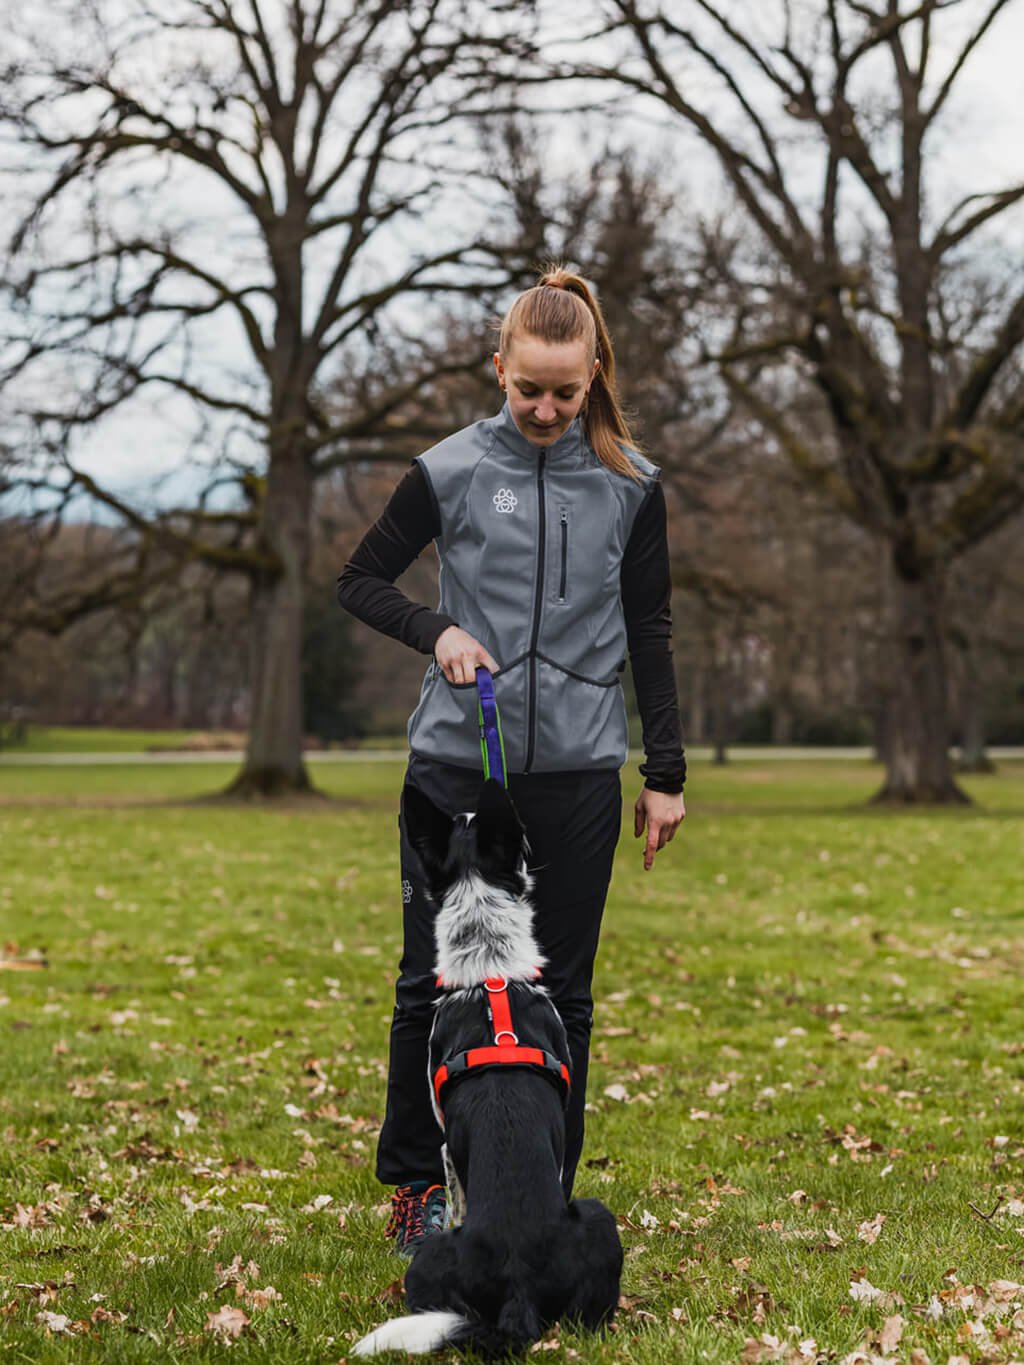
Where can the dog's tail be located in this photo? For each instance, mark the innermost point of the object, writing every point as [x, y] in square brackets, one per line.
[517, 1328]
[417, 1334]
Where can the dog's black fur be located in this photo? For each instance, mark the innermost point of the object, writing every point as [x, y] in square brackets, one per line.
[524, 1257]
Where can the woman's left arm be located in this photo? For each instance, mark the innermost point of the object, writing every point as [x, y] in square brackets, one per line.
[646, 585]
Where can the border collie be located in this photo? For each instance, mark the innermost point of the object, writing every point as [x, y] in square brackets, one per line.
[524, 1257]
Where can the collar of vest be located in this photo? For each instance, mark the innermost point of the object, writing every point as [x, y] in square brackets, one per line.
[505, 1048]
[568, 446]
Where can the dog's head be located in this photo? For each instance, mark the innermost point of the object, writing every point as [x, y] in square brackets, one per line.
[490, 841]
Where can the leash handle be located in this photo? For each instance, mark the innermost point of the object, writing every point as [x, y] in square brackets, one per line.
[492, 746]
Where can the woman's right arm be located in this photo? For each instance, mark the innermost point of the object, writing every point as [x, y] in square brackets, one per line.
[366, 585]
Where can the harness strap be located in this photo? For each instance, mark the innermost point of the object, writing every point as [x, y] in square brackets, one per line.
[492, 746]
[494, 1056]
[500, 1011]
[505, 1049]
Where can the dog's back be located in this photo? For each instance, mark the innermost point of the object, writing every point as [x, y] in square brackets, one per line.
[524, 1257]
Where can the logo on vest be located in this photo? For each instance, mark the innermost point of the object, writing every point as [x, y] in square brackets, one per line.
[505, 500]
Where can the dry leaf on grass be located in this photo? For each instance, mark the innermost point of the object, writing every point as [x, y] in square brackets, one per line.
[58, 1324]
[1005, 1290]
[868, 1230]
[891, 1334]
[259, 1298]
[227, 1323]
[863, 1291]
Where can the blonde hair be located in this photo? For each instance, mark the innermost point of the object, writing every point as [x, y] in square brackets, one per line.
[558, 309]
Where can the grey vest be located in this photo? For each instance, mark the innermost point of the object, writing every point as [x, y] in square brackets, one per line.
[531, 548]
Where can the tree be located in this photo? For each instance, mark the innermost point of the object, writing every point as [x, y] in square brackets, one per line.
[859, 287]
[203, 179]
[330, 671]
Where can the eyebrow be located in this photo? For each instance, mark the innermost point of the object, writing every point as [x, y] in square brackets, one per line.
[521, 379]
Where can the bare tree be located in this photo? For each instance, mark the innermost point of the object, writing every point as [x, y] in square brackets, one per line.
[225, 204]
[857, 288]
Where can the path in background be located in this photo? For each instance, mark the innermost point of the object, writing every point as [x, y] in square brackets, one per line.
[698, 753]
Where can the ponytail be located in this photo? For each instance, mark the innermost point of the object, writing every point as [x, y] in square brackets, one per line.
[560, 308]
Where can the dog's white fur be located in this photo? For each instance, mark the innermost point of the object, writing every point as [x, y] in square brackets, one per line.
[485, 931]
[417, 1334]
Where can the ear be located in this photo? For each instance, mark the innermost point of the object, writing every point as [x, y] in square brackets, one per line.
[428, 830]
[499, 368]
[499, 830]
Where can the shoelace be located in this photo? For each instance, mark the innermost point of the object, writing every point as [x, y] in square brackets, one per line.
[407, 1212]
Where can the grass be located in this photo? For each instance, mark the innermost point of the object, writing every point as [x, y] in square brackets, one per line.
[808, 1067]
[88, 739]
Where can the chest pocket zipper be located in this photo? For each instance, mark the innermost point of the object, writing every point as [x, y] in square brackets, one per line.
[563, 581]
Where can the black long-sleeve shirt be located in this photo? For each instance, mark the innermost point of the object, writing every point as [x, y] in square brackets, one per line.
[410, 521]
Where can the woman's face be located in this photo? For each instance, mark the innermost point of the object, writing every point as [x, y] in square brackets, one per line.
[546, 385]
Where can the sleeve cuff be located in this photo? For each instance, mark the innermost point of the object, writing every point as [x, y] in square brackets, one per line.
[670, 778]
[435, 626]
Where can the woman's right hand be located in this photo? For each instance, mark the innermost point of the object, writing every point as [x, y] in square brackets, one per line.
[459, 655]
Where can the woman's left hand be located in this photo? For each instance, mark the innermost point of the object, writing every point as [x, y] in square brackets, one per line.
[661, 814]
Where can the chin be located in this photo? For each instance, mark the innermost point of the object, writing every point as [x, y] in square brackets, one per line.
[545, 438]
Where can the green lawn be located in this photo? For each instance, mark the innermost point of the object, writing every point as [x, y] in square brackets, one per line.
[88, 739]
[809, 1063]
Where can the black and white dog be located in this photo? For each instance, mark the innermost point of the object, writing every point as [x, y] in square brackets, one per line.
[524, 1257]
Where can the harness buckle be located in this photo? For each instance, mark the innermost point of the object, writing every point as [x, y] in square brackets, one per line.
[506, 1033]
[495, 984]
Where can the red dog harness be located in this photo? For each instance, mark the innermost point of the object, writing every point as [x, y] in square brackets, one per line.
[505, 1050]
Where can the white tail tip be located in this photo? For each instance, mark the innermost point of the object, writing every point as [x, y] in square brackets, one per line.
[417, 1334]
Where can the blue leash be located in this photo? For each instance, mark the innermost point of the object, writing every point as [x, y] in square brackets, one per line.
[492, 746]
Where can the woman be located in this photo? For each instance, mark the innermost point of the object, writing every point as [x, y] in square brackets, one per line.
[550, 528]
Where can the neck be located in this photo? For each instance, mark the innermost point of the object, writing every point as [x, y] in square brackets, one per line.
[484, 931]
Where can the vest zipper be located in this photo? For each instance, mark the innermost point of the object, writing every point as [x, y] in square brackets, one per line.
[538, 600]
[562, 584]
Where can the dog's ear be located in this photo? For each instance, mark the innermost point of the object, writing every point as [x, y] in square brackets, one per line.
[429, 832]
[499, 830]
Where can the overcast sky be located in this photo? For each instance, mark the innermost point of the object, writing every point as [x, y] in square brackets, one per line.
[979, 147]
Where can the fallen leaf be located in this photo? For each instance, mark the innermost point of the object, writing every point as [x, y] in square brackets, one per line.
[322, 1201]
[868, 1230]
[863, 1291]
[891, 1334]
[59, 1324]
[227, 1323]
[259, 1298]
[765, 1347]
[99, 1315]
[1005, 1290]
[393, 1293]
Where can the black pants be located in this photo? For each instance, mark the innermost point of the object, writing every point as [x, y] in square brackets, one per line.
[572, 822]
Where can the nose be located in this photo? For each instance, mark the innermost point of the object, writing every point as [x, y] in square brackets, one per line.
[545, 410]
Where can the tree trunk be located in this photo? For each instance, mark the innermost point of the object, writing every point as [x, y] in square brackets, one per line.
[973, 758]
[273, 762]
[782, 720]
[721, 714]
[785, 654]
[918, 765]
[697, 723]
